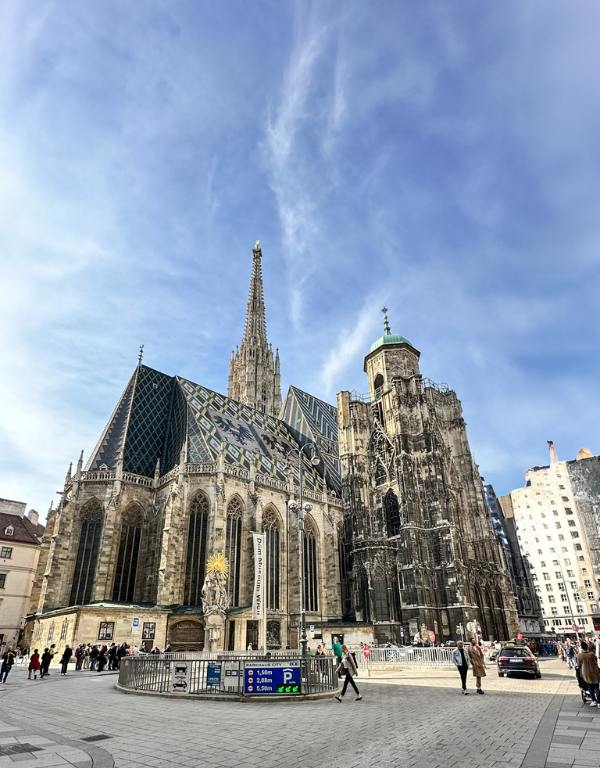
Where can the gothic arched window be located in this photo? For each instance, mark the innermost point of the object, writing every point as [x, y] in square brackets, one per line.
[309, 562]
[87, 554]
[380, 473]
[233, 548]
[271, 529]
[127, 559]
[392, 513]
[195, 562]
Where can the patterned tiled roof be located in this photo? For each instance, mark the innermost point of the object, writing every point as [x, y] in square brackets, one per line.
[317, 420]
[157, 412]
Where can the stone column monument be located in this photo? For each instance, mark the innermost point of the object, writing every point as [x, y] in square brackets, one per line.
[215, 601]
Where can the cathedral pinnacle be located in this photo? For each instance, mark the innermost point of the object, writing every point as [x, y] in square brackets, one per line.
[386, 323]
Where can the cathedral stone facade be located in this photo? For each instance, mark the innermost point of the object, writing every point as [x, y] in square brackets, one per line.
[419, 551]
[396, 539]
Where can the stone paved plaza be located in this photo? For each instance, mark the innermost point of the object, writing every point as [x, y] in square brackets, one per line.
[415, 718]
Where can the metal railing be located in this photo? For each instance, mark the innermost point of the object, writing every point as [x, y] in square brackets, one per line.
[409, 656]
[222, 675]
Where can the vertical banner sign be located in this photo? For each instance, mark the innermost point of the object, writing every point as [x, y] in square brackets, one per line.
[259, 576]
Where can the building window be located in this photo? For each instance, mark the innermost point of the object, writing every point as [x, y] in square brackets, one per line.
[554, 611]
[548, 587]
[543, 563]
[6, 552]
[233, 549]
[557, 575]
[148, 630]
[551, 599]
[9, 530]
[546, 576]
[568, 511]
[392, 513]
[584, 621]
[63, 629]
[310, 581]
[127, 560]
[590, 595]
[87, 554]
[587, 583]
[106, 630]
[195, 563]
[272, 537]
[574, 535]
[50, 635]
[2, 580]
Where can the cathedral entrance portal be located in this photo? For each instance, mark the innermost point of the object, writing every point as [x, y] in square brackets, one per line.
[186, 635]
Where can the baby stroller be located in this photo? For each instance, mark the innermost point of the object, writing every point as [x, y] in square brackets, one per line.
[585, 696]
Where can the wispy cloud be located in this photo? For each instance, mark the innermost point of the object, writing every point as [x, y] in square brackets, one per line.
[351, 344]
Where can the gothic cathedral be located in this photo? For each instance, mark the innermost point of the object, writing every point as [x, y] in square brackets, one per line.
[396, 540]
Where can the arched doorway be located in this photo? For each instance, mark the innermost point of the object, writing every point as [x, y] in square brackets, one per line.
[186, 635]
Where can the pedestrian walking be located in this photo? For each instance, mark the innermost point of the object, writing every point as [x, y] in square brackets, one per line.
[45, 662]
[34, 665]
[86, 656]
[478, 663]
[65, 659]
[8, 659]
[79, 654]
[590, 672]
[94, 654]
[348, 669]
[571, 655]
[461, 659]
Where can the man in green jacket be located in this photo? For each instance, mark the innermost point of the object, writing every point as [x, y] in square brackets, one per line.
[336, 647]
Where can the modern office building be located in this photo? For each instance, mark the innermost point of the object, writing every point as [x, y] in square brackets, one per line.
[556, 524]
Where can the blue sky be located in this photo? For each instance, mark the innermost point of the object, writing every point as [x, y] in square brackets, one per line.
[440, 158]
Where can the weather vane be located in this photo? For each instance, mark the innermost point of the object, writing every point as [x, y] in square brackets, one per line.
[141, 354]
[386, 323]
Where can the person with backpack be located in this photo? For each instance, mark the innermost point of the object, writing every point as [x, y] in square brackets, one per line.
[570, 654]
[348, 669]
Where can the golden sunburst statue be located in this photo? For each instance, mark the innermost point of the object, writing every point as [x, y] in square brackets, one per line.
[217, 563]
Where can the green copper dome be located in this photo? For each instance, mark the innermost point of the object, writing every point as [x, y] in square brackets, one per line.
[388, 338]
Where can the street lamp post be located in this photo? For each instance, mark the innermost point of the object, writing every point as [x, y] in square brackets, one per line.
[301, 509]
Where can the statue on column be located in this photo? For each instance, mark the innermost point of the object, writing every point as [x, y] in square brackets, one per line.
[215, 600]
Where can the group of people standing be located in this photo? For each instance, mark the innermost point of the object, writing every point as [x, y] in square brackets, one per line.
[469, 657]
[96, 658]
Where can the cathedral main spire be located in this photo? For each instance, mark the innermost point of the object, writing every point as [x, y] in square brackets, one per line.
[254, 374]
[255, 329]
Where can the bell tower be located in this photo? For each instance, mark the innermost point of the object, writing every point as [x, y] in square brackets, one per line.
[391, 356]
[254, 372]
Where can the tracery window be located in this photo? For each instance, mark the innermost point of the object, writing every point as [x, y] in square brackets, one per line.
[127, 559]
[309, 562]
[87, 554]
[195, 563]
[392, 513]
[233, 548]
[380, 473]
[271, 529]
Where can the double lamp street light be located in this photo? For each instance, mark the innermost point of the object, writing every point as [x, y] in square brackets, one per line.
[301, 509]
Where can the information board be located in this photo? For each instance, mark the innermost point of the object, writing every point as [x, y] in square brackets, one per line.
[213, 673]
[264, 678]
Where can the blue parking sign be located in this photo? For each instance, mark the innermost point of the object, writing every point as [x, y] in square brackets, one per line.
[264, 678]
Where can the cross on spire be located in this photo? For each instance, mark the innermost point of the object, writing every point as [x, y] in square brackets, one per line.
[141, 354]
[386, 323]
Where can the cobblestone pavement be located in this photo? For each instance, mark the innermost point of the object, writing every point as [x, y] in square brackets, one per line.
[416, 718]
